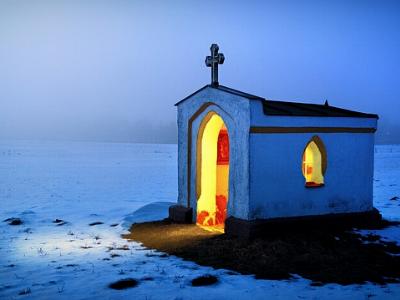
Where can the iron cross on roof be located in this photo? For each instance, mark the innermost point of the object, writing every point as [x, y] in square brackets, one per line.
[213, 61]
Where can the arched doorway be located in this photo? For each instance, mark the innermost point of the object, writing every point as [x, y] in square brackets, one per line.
[212, 169]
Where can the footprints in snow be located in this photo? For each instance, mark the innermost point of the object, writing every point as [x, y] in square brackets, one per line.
[13, 221]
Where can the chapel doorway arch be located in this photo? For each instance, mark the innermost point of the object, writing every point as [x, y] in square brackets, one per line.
[212, 172]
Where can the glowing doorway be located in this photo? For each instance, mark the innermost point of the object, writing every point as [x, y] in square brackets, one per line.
[212, 172]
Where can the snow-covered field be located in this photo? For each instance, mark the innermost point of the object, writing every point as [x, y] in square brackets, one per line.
[83, 183]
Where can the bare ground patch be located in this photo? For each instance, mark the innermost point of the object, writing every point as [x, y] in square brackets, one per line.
[323, 255]
[124, 284]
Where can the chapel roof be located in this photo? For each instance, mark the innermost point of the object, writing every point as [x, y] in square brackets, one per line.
[288, 108]
[284, 108]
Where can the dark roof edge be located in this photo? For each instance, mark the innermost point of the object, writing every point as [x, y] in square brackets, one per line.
[224, 89]
[237, 92]
[191, 95]
[254, 97]
[356, 114]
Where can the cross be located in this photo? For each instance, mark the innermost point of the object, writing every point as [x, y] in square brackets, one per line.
[213, 61]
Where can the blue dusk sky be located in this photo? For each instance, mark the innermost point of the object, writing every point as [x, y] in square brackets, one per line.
[112, 70]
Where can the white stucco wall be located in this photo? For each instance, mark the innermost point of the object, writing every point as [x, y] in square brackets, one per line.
[277, 185]
[235, 111]
[266, 179]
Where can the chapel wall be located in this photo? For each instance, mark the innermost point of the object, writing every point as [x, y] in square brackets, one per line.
[277, 184]
[235, 112]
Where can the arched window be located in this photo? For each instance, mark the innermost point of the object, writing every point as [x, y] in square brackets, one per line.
[314, 162]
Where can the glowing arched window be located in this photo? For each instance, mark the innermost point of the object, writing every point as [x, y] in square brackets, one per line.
[314, 163]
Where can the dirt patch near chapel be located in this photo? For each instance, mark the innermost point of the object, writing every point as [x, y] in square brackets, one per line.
[322, 255]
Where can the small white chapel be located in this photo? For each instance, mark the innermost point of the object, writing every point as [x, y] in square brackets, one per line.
[245, 160]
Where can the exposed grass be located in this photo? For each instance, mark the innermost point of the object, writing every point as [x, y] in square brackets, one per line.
[95, 223]
[124, 284]
[204, 280]
[14, 221]
[323, 255]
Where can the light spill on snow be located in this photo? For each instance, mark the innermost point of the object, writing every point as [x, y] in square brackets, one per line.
[82, 183]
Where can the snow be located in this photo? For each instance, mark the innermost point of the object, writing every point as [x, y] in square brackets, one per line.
[117, 183]
[387, 181]
[151, 212]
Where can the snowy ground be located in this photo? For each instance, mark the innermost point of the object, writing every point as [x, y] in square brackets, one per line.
[82, 183]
